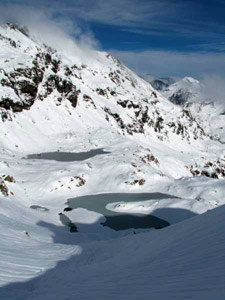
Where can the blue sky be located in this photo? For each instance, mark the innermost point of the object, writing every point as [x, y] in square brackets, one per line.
[164, 37]
[173, 25]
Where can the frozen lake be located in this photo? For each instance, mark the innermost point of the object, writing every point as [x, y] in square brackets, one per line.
[67, 156]
[117, 220]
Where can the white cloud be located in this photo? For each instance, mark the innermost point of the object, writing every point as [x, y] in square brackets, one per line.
[120, 12]
[214, 88]
[167, 63]
[60, 33]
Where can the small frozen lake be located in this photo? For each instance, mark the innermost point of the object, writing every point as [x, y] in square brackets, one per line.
[118, 220]
[67, 156]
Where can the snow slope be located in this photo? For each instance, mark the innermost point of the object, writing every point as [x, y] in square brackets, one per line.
[182, 261]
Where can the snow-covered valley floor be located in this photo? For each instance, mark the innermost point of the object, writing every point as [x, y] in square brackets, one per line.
[41, 259]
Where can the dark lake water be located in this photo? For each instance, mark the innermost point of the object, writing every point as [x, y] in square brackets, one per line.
[117, 220]
[67, 156]
[38, 207]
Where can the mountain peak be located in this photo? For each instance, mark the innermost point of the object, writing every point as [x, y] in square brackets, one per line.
[190, 80]
[23, 29]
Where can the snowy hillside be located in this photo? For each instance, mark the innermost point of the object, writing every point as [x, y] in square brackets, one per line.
[80, 127]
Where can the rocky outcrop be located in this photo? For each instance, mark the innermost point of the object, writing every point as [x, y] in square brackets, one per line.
[212, 169]
[3, 186]
[25, 82]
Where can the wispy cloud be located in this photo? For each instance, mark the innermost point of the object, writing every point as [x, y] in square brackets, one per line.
[213, 46]
[184, 18]
[167, 63]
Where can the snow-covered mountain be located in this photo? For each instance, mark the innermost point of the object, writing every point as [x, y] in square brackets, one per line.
[183, 91]
[126, 143]
[160, 83]
[193, 96]
[33, 74]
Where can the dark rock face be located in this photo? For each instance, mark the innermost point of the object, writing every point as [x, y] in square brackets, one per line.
[3, 189]
[114, 76]
[7, 104]
[24, 82]
[4, 180]
[65, 88]
[73, 98]
[212, 169]
[28, 88]
[88, 100]
[159, 85]
[101, 92]
[67, 209]
[180, 97]
[9, 178]
[128, 104]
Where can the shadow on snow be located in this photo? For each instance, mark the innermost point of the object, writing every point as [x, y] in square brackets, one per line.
[53, 283]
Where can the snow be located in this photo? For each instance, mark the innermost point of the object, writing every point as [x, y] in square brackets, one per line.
[39, 257]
